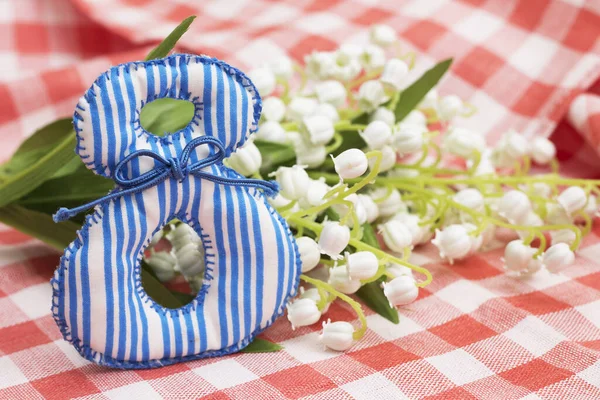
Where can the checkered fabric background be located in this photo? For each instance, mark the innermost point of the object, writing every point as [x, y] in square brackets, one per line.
[473, 333]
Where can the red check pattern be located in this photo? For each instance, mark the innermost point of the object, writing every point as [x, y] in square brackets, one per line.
[473, 333]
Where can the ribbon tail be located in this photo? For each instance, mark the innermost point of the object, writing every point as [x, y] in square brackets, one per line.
[270, 188]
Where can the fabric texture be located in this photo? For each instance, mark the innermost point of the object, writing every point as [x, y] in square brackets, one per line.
[252, 263]
[474, 333]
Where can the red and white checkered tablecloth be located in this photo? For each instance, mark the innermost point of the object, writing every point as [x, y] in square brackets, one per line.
[473, 333]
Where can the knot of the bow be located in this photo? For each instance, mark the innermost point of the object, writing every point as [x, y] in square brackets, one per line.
[177, 167]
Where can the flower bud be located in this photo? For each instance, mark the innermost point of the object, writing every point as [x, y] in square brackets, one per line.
[542, 150]
[310, 255]
[319, 128]
[190, 260]
[396, 235]
[556, 215]
[449, 107]
[300, 107]
[572, 199]
[394, 74]
[279, 201]
[302, 312]
[515, 206]
[346, 72]
[333, 239]
[351, 163]
[372, 57]
[307, 153]
[388, 159]
[362, 265]
[371, 95]
[453, 242]
[282, 68]
[337, 335]
[517, 256]
[183, 234]
[370, 207]
[382, 35]
[471, 198]
[293, 181]
[384, 115]
[319, 64]
[264, 80]
[557, 257]
[376, 134]
[411, 221]
[514, 145]
[332, 92]
[314, 295]
[273, 109]
[463, 143]
[415, 117]
[246, 160]
[392, 203]
[328, 111]
[163, 265]
[401, 291]
[315, 193]
[271, 131]
[339, 278]
[408, 139]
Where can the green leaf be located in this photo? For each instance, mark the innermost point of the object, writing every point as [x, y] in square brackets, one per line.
[371, 293]
[163, 49]
[37, 160]
[39, 225]
[184, 298]
[163, 116]
[275, 155]
[259, 345]
[412, 95]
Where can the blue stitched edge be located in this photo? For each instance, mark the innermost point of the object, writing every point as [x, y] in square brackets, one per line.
[101, 169]
[102, 359]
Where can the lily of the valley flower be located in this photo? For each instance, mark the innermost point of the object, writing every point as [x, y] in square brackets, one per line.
[557, 257]
[310, 255]
[351, 163]
[333, 239]
[401, 291]
[377, 134]
[572, 199]
[246, 160]
[302, 312]
[362, 265]
[293, 181]
[337, 335]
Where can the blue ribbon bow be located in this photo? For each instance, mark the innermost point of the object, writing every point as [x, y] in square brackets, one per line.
[178, 168]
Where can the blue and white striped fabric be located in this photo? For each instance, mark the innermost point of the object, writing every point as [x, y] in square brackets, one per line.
[252, 264]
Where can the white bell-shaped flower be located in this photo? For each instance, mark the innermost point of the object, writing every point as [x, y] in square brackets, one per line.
[271, 131]
[315, 194]
[398, 270]
[514, 206]
[163, 264]
[302, 312]
[453, 242]
[310, 255]
[246, 160]
[183, 234]
[370, 207]
[282, 67]
[396, 235]
[264, 80]
[471, 198]
[557, 257]
[517, 256]
[293, 181]
[384, 115]
[371, 95]
[394, 74]
[327, 110]
[408, 139]
[307, 153]
[351, 163]
[557, 215]
[337, 335]
[382, 35]
[572, 199]
[279, 201]
[372, 57]
[401, 291]
[333, 239]
[391, 204]
[339, 278]
[319, 128]
[332, 92]
[314, 295]
[347, 71]
[377, 134]
[415, 117]
[273, 109]
[463, 143]
[542, 150]
[190, 260]
[514, 145]
[449, 107]
[300, 107]
[319, 64]
[362, 264]
[412, 222]
[562, 236]
[388, 159]
[430, 101]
